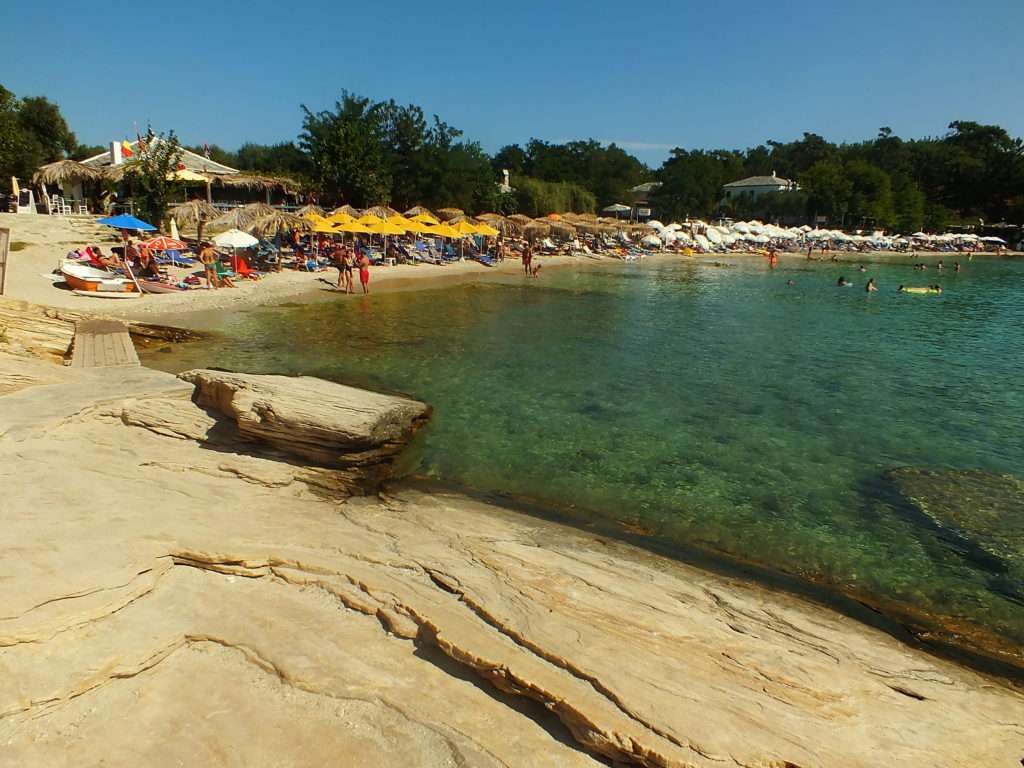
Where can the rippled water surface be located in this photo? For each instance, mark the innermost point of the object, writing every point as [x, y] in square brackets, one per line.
[715, 406]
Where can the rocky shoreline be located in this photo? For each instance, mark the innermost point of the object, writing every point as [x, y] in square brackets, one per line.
[195, 571]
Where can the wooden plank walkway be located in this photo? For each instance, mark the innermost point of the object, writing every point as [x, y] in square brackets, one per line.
[102, 344]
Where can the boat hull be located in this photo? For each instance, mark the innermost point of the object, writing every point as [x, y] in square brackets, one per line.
[85, 279]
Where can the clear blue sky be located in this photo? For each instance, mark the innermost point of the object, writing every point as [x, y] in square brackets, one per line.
[648, 75]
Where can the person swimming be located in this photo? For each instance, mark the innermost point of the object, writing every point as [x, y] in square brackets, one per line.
[790, 282]
[900, 289]
[862, 268]
[842, 282]
[871, 287]
[956, 266]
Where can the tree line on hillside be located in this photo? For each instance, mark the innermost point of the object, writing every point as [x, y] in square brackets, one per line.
[974, 172]
[366, 152]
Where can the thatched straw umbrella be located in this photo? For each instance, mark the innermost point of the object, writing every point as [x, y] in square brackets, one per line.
[589, 227]
[562, 229]
[506, 227]
[521, 219]
[381, 212]
[536, 230]
[462, 217]
[446, 214]
[279, 223]
[241, 218]
[353, 212]
[308, 209]
[417, 210]
[64, 171]
[194, 213]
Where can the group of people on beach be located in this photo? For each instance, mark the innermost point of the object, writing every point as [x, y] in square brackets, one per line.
[346, 260]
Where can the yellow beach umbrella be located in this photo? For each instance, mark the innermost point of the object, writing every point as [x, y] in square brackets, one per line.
[425, 218]
[399, 220]
[486, 230]
[353, 227]
[464, 228]
[370, 219]
[445, 230]
[340, 218]
[385, 228]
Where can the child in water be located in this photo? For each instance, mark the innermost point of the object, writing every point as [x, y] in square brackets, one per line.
[871, 287]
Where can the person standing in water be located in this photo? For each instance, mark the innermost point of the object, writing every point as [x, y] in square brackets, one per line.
[871, 287]
[527, 259]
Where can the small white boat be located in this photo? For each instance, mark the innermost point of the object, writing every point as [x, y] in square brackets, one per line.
[86, 279]
[109, 294]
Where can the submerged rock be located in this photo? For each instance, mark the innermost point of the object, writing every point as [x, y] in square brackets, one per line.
[983, 508]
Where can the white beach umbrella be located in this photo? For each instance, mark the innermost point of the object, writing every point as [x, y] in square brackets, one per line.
[674, 227]
[655, 224]
[742, 227]
[713, 235]
[235, 238]
[652, 240]
[703, 242]
[993, 239]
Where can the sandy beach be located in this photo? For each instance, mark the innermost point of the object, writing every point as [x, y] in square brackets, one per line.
[46, 239]
[173, 565]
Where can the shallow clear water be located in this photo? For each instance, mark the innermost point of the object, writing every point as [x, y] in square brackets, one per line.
[714, 406]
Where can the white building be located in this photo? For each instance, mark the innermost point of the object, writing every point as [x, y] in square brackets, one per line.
[758, 185]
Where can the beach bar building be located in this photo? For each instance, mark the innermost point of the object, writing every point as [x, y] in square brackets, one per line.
[219, 184]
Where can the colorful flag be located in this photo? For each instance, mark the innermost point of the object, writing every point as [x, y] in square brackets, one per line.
[126, 149]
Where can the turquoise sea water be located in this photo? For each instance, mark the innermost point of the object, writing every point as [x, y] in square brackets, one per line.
[712, 406]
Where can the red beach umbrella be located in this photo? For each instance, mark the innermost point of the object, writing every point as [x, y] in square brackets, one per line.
[163, 243]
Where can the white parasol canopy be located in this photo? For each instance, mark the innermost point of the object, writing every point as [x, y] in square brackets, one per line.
[235, 238]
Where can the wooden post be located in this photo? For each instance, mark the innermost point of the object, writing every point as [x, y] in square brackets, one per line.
[5, 239]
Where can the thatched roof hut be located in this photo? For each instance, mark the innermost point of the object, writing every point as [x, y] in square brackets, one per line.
[521, 219]
[462, 217]
[64, 171]
[447, 214]
[279, 222]
[252, 181]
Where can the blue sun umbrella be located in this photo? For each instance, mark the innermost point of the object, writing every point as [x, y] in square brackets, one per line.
[124, 221]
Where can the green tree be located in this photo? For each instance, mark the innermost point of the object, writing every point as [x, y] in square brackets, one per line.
[511, 158]
[692, 182]
[32, 132]
[871, 200]
[150, 177]
[828, 189]
[908, 204]
[346, 149]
